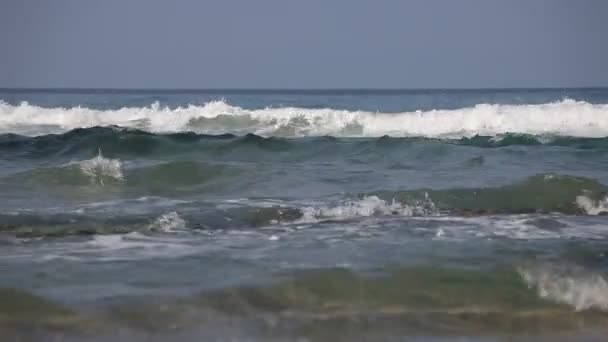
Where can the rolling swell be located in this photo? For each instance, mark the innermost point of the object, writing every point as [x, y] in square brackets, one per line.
[106, 175]
[545, 193]
[542, 193]
[133, 143]
[112, 140]
[331, 304]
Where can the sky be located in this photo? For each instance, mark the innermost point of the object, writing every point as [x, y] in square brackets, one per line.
[303, 43]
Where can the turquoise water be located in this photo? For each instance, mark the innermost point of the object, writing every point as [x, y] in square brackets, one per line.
[312, 215]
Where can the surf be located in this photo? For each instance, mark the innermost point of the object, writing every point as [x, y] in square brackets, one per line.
[563, 118]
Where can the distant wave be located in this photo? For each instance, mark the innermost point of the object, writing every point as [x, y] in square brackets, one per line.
[564, 118]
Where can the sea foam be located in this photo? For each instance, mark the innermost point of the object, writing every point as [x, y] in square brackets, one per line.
[591, 206]
[567, 118]
[366, 207]
[573, 286]
[168, 223]
[99, 168]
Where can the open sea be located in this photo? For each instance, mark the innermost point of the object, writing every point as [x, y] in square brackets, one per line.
[304, 215]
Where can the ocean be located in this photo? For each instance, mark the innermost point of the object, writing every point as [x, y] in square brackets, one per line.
[303, 215]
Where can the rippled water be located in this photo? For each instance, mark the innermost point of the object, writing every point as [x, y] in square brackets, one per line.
[311, 215]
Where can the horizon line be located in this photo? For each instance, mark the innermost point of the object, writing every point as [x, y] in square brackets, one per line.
[337, 90]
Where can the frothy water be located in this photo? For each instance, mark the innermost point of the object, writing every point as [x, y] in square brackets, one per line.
[100, 168]
[593, 207]
[576, 287]
[169, 223]
[368, 206]
[566, 117]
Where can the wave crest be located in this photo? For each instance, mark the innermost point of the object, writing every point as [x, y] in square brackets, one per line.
[567, 118]
[99, 168]
[168, 223]
[591, 206]
[573, 286]
[366, 207]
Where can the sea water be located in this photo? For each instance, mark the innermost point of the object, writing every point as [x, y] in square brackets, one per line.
[317, 215]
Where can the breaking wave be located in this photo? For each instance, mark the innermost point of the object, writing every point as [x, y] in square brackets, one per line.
[542, 193]
[592, 206]
[100, 168]
[572, 286]
[168, 223]
[366, 207]
[564, 118]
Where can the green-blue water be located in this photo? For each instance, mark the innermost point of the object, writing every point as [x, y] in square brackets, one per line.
[313, 215]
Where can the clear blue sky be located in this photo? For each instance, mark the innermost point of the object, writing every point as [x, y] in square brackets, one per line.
[303, 43]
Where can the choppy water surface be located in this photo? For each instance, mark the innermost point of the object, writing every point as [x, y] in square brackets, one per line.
[304, 215]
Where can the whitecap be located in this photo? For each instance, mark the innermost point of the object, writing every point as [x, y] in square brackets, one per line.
[573, 286]
[168, 223]
[366, 207]
[566, 117]
[592, 207]
[100, 168]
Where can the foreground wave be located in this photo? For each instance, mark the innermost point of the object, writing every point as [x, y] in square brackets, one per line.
[568, 117]
[330, 304]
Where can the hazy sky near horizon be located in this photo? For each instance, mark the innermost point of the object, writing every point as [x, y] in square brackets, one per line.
[303, 44]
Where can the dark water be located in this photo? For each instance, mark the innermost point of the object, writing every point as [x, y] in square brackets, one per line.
[303, 215]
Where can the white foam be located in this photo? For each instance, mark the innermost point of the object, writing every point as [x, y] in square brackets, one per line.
[108, 242]
[99, 168]
[567, 117]
[131, 246]
[592, 207]
[169, 223]
[514, 227]
[366, 207]
[573, 286]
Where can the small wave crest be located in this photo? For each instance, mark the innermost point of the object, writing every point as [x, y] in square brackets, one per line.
[168, 223]
[98, 169]
[573, 286]
[592, 206]
[541, 193]
[366, 207]
[567, 118]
